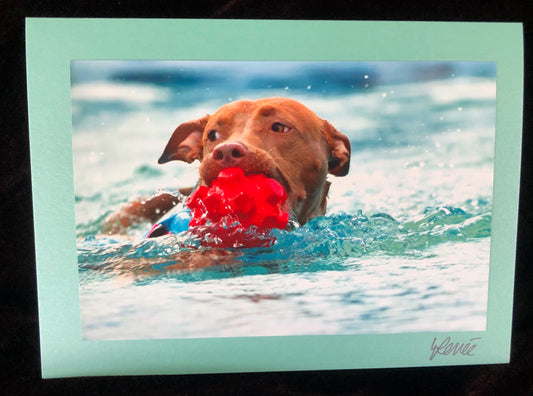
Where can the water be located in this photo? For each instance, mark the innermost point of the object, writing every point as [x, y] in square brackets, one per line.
[404, 246]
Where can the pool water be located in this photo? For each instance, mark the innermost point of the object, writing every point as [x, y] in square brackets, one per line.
[404, 246]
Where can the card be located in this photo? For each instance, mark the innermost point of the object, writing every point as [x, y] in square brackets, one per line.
[373, 224]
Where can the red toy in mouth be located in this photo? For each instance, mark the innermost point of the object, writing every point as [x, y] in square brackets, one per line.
[234, 203]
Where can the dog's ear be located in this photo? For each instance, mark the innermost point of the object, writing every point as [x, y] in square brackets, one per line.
[185, 144]
[339, 159]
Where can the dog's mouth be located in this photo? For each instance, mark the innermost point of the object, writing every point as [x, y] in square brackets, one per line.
[260, 163]
[278, 176]
[274, 174]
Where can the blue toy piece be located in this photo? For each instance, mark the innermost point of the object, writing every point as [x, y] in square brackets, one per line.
[174, 221]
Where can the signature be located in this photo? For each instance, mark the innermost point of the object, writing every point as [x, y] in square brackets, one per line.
[447, 347]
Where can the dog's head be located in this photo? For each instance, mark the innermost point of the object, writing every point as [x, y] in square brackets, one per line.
[278, 137]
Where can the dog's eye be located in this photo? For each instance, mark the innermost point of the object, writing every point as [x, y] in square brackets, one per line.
[213, 135]
[279, 127]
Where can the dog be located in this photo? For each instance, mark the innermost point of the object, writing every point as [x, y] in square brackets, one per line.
[278, 137]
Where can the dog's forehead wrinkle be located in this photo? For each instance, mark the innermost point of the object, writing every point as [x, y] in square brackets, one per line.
[219, 122]
[231, 120]
[277, 113]
[266, 110]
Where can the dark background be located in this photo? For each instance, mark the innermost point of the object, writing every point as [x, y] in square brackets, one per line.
[19, 345]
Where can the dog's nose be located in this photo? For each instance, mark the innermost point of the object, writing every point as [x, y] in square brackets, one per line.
[230, 153]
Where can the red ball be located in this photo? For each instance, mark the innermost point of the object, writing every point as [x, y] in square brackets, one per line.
[235, 202]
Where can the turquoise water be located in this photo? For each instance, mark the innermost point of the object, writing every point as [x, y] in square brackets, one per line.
[404, 246]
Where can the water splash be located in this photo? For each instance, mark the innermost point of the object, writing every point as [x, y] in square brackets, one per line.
[324, 243]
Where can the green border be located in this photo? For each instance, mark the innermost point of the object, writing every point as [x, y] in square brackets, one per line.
[53, 43]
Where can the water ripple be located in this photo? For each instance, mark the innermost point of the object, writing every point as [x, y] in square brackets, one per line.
[333, 242]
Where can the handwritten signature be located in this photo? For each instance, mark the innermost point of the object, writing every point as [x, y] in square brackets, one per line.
[447, 347]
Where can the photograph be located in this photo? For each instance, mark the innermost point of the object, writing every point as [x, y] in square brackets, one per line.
[282, 198]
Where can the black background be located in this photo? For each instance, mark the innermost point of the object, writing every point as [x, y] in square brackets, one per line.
[19, 345]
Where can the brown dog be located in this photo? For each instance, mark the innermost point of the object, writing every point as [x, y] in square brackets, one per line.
[278, 137]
